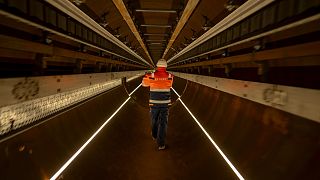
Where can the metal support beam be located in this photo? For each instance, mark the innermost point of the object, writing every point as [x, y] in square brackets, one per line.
[76, 13]
[245, 10]
[259, 36]
[126, 16]
[190, 7]
[274, 55]
[8, 42]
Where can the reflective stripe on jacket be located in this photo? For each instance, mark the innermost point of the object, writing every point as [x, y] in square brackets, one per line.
[160, 83]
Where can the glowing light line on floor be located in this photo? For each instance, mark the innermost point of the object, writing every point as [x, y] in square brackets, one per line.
[212, 141]
[135, 89]
[56, 175]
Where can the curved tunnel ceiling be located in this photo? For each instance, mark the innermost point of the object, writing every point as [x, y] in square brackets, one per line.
[165, 27]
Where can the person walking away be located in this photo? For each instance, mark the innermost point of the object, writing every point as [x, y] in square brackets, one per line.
[160, 83]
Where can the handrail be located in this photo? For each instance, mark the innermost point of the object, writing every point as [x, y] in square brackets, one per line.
[248, 8]
[73, 11]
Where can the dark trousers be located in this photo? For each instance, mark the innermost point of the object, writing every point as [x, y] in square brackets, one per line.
[159, 120]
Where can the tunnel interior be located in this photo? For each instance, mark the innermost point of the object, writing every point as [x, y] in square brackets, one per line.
[245, 97]
[263, 148]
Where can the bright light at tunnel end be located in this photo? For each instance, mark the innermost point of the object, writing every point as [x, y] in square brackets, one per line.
[57, 174]
[211, 140]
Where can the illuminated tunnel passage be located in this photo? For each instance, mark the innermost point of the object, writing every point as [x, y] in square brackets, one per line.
[261, 142]
[125, 149]
[39, 152]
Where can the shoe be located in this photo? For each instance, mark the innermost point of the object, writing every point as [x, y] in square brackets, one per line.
[162, 147]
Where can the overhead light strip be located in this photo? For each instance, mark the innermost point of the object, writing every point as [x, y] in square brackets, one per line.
[211, 140]
[190, 7]
[126, 16]
[156, 40]
[156, 25]
[155, 11]
[155, 34]
[73, 11]
[57, 174]
[245, 10]
[156, 43]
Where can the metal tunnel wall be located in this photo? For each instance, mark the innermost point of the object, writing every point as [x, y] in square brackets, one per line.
[263, 142]
[39, 152]
[248, 70]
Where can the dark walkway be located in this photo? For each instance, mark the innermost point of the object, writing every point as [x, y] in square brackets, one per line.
[287, 148]
[125, 149]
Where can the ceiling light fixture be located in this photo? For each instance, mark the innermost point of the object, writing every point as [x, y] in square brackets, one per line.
[193, 35]
[104, 22]
[125, 39]
[155, 43]
[156, 11]
[79, 2]
[155, 34]
[207, 24]
[156, 40]
[187, 42]
[117, 34]
[173, 49]
[231, 5]
[156, 25]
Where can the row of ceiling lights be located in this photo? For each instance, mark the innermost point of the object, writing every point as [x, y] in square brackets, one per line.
[230, 6]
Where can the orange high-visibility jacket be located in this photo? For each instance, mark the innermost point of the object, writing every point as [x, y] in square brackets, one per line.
[160, 83]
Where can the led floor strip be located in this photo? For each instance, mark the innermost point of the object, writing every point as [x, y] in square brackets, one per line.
[212, 141]
[135, 90]
[56, 175]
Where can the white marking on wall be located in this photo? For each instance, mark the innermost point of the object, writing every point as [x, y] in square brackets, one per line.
[74, 89]
[299, 101]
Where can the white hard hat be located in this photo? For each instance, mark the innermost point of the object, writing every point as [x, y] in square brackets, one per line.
[162, 63]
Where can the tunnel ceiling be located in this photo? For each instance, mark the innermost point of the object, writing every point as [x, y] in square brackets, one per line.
[148, 30]
[156, 22]
[57, 37]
